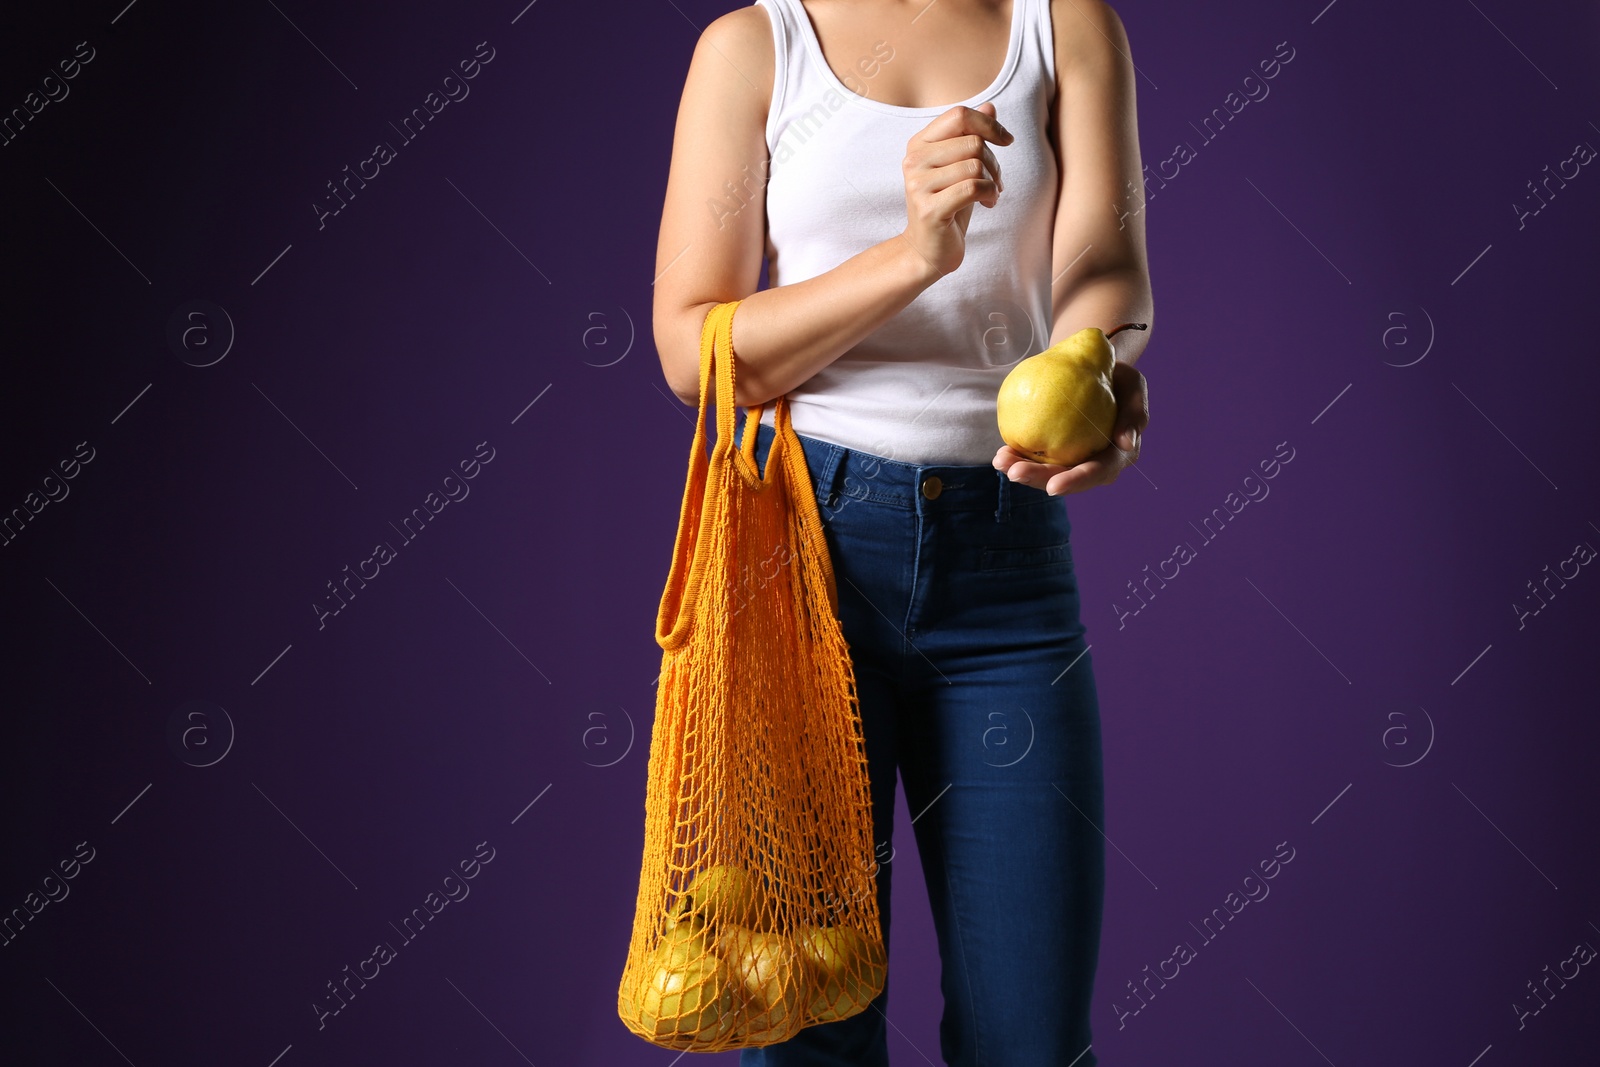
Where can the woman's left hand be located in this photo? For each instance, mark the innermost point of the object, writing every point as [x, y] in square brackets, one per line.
[1103, 467]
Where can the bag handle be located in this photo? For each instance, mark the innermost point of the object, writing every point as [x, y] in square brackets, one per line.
[804, 500]
[696, 520]
[786, 452]
[699, 513]
[717, 334]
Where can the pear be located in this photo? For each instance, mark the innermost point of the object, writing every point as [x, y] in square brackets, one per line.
[772, 975]
[690, 999]
[1058, 406]
[680, 945]
[683, 943]
[847, 970]
[722, 894]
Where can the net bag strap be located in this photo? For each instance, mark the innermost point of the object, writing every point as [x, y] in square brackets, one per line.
[675, 618]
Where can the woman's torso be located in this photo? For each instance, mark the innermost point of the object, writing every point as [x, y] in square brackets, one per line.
[921, 388]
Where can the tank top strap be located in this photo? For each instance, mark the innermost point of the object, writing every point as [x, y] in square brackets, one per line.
[786, 44]
[1039, 33]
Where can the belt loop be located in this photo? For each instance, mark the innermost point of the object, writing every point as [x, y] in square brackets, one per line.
[1002, 511]
[826, 480]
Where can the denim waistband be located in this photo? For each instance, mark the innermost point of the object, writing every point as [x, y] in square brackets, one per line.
[841, 474]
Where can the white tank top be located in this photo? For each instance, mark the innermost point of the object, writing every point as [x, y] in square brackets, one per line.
[921, 388]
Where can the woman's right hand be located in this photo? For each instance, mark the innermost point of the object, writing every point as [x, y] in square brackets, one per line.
[944, 171]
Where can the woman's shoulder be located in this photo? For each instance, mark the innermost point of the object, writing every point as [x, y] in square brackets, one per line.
[742, 39]
[1086, 33]
[744, 28]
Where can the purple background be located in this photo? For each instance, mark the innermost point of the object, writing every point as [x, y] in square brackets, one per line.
[1358, 618]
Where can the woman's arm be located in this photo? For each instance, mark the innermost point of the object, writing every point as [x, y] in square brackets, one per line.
[1099, 266]
[1101, 207]
[713, 225]
[713, 239]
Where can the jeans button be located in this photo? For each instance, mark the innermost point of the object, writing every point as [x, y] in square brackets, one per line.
[932, 487]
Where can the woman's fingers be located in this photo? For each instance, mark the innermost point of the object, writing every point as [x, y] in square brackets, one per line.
[1132, 391]
[948, 168]
[964, 190]
[1006, 456]
[1020, 468]
[959, 120]
[1086, 475]
[1099, 469]
[1027, 472]
[941, 155]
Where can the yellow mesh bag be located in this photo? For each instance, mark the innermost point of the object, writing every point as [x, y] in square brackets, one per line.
[757, 912]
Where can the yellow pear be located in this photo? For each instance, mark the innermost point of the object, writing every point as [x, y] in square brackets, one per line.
[627, 1006]
[682, 1004]
[1058, 406]
[846, 970]
[722, 893]
[682, 943]
[773, 979]
[680, 946]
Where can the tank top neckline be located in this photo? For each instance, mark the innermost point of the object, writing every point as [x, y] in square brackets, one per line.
[813, 47]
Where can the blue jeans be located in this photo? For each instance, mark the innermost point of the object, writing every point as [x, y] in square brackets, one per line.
[959, 603]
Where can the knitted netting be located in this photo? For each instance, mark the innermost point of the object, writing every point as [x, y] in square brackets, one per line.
[757, 911]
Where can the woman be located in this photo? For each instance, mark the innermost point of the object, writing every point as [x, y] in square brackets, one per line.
[819, 136]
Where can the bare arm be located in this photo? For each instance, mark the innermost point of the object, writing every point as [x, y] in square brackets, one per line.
[1099, 266]
[711, 245]
[713, 239]
[1096, 132]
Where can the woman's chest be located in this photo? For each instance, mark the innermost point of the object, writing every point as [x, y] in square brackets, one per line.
[942, 53]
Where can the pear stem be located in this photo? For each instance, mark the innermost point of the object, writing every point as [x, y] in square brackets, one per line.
[1128, 326]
